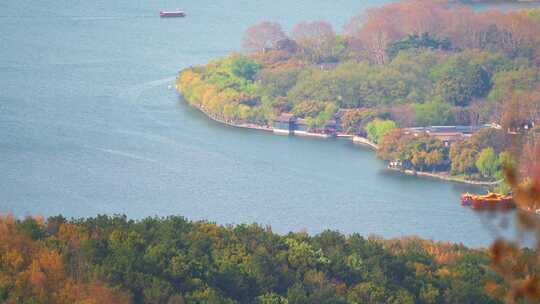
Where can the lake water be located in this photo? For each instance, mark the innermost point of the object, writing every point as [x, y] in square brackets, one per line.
[89, 124]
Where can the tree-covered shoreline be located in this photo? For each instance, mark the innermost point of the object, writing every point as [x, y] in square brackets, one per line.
[407, 64]
[112, 259]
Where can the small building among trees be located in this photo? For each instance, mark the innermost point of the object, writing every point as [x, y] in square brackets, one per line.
[288, 123]
[301, 126]
[446, 134]
[284, 123]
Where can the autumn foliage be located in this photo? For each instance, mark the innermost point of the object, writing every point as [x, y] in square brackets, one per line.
[409, 63]
[417, 62]
[513, 33]
[173, 260]
[31, 272]
[263, 36]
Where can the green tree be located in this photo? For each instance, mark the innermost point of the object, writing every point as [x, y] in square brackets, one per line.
[208, 296]
[171, 260]
[308, 108]
[506, 81]
[415, 41]
[271, 298]
[487, 163]
[297, 295]
[377, 128]
[425, 153]
[461, 80]
[157, 291]
[402, 297]
[245, 67]
[429, 294]
[277, 82]
[368, 292]
[463, 158]
[433, 113]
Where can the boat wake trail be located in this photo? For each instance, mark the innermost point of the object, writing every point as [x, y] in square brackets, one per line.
[79, 18]
[95, 18]
[133, 94]
[126, 154]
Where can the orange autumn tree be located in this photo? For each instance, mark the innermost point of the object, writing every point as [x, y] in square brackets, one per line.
[32, 273]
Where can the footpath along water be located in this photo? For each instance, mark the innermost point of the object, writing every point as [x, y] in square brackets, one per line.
[90, 123]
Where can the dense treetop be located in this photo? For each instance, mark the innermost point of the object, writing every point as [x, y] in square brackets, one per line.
[173, 260]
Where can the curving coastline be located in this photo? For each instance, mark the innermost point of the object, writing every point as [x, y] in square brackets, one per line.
[446, 177]
[232, 123]
[359, 140]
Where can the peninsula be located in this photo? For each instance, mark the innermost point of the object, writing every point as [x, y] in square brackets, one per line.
[448, 95]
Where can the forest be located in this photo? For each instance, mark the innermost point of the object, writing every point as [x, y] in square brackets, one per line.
[111, 259]
[406, 64]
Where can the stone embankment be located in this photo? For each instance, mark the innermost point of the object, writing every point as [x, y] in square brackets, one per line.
[445, 176]
[356, 140]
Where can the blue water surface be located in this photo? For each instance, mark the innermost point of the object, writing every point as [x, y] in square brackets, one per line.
[90, 124]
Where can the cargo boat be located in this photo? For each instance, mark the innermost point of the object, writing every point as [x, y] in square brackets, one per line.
[176, 13]
[489, 201]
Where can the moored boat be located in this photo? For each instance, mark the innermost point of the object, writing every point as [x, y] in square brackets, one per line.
[176, 13]
[489, 201]
[466, 199]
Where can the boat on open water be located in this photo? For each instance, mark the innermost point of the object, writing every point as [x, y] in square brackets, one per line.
[175, 13]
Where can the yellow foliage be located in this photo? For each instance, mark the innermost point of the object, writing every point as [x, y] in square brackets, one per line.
[244, 111]
[443, 272]
[208, 95]
[31, 272]
[230, 111]
[187, 77]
